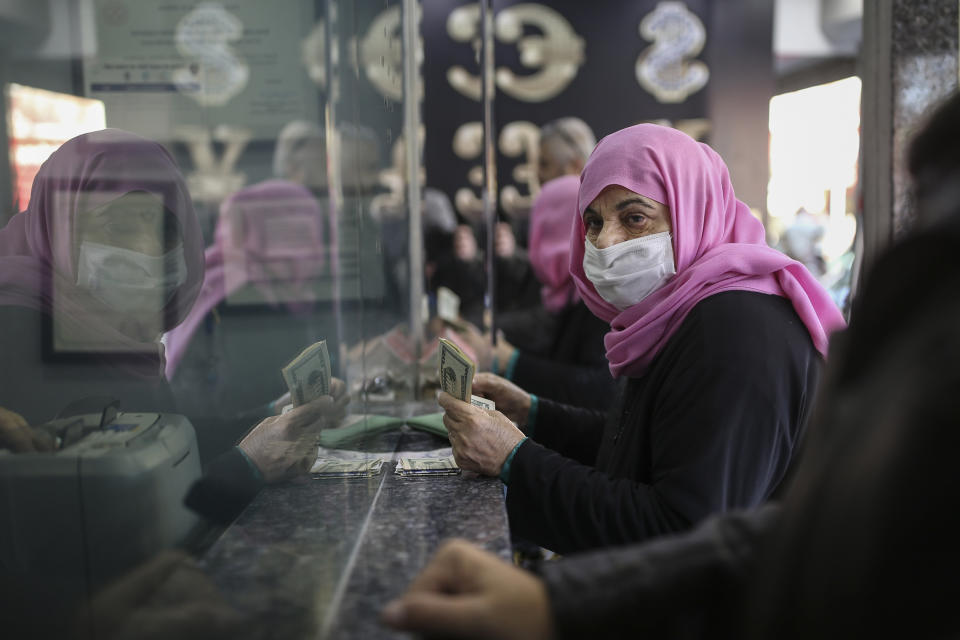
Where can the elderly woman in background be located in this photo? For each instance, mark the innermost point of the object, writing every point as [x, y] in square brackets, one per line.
[573, 369]
[717, 339]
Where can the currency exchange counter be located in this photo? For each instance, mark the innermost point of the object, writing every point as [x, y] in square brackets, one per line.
[319, 558]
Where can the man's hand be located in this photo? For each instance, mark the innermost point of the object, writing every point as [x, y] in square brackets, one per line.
[510, 399]
[465, 592]
[481, 439]
[280, 446]
[167, 597]
[17, 436]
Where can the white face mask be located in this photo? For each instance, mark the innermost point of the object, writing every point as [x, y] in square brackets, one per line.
[130, 281]
[628, 272]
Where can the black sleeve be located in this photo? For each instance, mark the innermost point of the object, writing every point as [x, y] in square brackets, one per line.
[567, 506]
[227, 486]
[574, 432]
[720, 438]
[682, 586]
[517, 286]
[582, 386]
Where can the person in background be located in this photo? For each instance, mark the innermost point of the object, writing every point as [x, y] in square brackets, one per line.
[268, 267]
[861, 545]
[574, 369]
[802, 240]
[565, 144]
[300, 155]
[108, 252]
[717, 339]
[107, 256]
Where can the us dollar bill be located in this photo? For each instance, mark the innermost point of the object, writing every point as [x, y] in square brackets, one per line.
[410, 467]
[456, 370]
[483, 403]
[448, 304]
[308, 375]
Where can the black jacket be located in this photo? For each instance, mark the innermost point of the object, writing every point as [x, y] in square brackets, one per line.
[574, 370]
[711, 427]
[863, 543]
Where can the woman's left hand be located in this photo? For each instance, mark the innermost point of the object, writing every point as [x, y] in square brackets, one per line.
[481, 438]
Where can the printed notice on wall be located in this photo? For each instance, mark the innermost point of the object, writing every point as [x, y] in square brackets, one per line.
[163, 64]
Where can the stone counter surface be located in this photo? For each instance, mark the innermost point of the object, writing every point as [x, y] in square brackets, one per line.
[319, 558]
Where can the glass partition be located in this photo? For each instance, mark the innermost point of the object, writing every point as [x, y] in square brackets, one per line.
[199, 193]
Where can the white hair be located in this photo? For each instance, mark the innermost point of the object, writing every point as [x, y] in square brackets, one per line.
[568, 140]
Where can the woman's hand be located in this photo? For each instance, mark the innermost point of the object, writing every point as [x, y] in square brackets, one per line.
[337, 389]
[464, 243]
[17, 436]
[167, 597]
[481, 439]
[465, 592]
[281, 446]
[504, 242]
[511, 400]
[482, 345]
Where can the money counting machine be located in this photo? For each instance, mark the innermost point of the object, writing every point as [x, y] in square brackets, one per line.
[108, 497]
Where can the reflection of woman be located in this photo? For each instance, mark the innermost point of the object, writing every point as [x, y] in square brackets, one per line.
[109, 249]
[223, 361]
[573, 367]
[718, 339]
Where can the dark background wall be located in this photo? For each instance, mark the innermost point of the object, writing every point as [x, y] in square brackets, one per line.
[604, 93]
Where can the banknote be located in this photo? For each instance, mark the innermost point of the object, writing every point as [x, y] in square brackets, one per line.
[483, 403]
[308, 375]
[448, 309]
[444, 466]
[456, 370]
[334, 468]
[448, 304]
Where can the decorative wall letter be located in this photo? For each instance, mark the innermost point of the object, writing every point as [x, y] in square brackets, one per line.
[214, 179]
[557, 54]
[468, 144]
[664, 69]
[216, 72]
[521, 138]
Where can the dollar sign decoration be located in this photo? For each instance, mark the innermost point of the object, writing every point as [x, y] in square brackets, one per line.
[216, 73]
[665, 69]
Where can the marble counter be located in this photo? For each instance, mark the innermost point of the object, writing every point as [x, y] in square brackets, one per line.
[317, 558]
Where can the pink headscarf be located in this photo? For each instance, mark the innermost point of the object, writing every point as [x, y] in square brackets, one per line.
[38, 246]
[274, 226]
[718, 244]
[554, 208]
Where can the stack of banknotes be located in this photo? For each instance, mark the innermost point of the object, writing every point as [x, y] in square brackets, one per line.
[456, 374]
[332, 468]
[308, 375]
[420, 467]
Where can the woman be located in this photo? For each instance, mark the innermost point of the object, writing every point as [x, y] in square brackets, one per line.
[573, 367]
[106, 257]
[718, 341]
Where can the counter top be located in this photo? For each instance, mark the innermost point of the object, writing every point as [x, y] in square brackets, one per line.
[318, 558]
